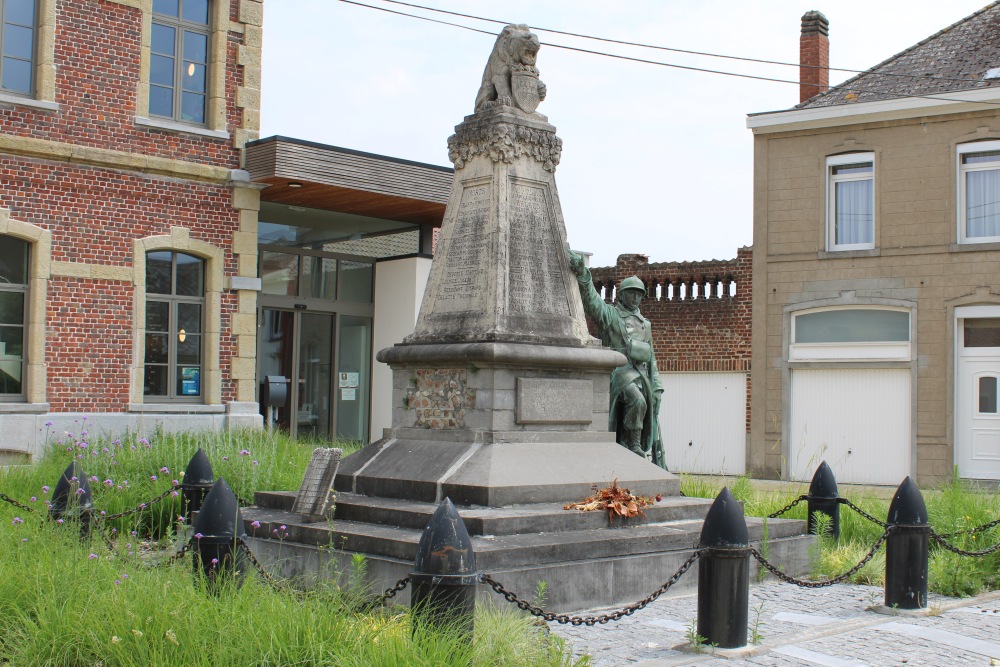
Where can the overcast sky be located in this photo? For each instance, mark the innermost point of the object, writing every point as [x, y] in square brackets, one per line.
[655, 160]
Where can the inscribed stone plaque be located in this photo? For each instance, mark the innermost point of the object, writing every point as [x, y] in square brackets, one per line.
[464, 279]
[554, 401]
[314, 495]
[536, 281]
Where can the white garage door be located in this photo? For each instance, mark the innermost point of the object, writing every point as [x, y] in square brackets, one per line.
[703, 422]
[857, 420]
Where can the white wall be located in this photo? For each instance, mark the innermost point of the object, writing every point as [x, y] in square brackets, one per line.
[399, 289]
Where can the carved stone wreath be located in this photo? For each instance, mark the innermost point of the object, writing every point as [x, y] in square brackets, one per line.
[503, 142]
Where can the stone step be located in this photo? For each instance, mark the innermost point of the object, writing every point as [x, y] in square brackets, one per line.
[496, 551]
[516, 519]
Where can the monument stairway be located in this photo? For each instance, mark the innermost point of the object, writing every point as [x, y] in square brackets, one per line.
[584, 560]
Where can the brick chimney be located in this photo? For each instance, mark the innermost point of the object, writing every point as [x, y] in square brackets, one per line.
[814, 55]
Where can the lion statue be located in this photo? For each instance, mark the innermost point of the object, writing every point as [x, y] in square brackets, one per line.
[515, 50]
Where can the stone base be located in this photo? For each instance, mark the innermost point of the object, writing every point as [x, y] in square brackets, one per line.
[497, 469]
[585, 562]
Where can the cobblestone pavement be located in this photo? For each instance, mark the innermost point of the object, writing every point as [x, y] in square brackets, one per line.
[830, 627]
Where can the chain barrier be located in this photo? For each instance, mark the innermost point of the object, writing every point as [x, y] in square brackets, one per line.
[845, 501]
[972, 531]
[391, 592]
[962, 552]
[788, 579]
[7, 499]
[264, 574]
[592, 620]
[141, 507]
[775, 515]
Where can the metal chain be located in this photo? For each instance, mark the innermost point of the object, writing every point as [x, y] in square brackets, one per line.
[787, 507]
[962, 552]
[141, 507]
[829, 582]
[391, 592]
[271, 581]
[970, 531]
[863, 513]
[4, 497]
[592, 620]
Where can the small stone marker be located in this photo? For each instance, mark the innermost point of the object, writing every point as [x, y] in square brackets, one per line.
[314, 494]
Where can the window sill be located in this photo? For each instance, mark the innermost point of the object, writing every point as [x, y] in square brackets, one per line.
[831, 254]
[18, 100]
[179, 128]
[24, 408]
[177, 408]
[974, 247]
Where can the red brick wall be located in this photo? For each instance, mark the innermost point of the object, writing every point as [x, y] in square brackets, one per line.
[698, 325]
[95, 214]
[97, 74]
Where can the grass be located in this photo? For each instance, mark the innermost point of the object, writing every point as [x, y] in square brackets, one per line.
[955, 506]
[71, 603]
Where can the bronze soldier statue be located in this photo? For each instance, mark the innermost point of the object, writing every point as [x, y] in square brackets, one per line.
[635, 386]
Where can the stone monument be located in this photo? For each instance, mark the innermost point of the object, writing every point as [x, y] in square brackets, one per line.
[500, 394]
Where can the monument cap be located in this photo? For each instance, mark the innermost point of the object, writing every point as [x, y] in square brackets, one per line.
[632, 282]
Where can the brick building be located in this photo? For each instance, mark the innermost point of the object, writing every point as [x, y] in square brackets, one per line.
[128, 255]
[701, 318]
[876, 254]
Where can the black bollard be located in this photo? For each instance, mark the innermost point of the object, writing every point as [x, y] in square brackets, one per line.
[198, 481]
[724, 574]
[906, 549]
[71, 498]
[824, 497]
[218, 530]
[444, 576]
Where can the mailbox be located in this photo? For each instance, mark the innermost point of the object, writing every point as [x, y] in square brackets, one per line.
[274, 393]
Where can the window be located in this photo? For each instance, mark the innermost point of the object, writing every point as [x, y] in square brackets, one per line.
[979, 192]
[175, 299]
[13, 311]
[850, 195]
[838, 334]
[178, 66]
[17, 42]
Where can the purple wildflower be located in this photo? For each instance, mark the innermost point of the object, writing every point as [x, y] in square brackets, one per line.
[255, 524]
[91, 556]
[16, 521]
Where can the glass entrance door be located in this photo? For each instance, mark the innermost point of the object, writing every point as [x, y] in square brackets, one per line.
[299, 346]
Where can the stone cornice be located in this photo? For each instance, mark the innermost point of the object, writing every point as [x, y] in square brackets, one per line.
[503, 142]
[111, 159]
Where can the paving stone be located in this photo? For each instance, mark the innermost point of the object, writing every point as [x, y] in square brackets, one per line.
[830, 627]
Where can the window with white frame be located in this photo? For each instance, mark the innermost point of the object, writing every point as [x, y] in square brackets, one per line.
[979, 192]
[850, 333]
[178, 67]
[850, 206]
[17, 43]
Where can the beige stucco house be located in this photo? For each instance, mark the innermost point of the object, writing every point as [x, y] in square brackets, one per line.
[876, 331]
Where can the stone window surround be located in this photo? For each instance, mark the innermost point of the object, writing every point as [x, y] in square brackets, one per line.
[853, 156]
[179, 240]
[960, 150]
[215, 118]
[44, 81]
[39, 266]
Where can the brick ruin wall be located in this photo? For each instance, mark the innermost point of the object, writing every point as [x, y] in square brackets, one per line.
[700, 312]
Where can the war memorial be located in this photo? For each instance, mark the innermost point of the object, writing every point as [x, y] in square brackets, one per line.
[502, 400]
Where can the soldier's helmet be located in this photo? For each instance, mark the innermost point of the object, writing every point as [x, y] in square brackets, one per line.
[632, 282]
